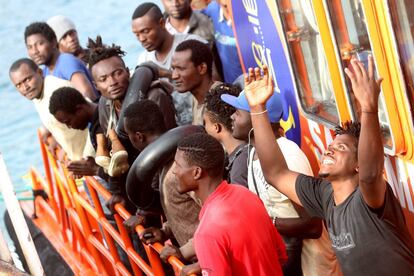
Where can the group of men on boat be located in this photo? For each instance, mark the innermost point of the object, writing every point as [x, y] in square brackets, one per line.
[205, 166]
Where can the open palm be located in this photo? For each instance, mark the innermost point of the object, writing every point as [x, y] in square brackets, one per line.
[364, 85]
[258, 88]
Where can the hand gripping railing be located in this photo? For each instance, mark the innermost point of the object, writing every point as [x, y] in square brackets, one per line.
[90, 239]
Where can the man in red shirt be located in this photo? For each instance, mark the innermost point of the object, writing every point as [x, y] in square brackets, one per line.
[235, 235]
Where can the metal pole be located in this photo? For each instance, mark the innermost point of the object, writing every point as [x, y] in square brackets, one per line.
[19, 223]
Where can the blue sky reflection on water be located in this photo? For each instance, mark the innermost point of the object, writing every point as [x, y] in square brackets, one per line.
[18, 118]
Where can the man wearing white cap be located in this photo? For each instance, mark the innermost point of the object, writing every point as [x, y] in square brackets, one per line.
[67, 36]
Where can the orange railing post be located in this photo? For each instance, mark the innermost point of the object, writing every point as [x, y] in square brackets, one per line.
[84, 228]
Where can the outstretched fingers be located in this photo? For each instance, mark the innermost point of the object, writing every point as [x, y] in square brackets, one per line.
[251, 75]
[267, 78]
[371, 68]
[356, 69]
[362, 69]
[350, 74]
[257, 73]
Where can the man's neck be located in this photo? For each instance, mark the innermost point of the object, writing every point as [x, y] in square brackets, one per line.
[52, 62]
[342, 189]
[200, 91]
[90, 111]
[165, 48]
[79, 53]
[118, 105]
[229, 142]
[43, 89]
[206, 188]
[152, 137]
[180, 24]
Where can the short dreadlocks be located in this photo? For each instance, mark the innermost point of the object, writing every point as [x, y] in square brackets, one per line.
[99, 51]
[350, 128]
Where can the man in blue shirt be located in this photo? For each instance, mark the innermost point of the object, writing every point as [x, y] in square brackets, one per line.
[220, 15]
[42, 48]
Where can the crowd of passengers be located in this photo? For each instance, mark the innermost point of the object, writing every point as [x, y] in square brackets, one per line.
[234, 196]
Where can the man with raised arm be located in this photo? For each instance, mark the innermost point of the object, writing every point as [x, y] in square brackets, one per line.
[364, 219]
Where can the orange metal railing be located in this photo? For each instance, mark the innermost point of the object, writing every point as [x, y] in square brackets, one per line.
[85, 232]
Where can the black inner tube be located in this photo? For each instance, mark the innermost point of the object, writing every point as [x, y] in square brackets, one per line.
[138, 87]
[153, 158]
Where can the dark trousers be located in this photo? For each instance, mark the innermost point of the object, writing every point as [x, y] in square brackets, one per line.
[293, 267]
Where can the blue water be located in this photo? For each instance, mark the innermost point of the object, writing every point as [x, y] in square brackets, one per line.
[18, 118]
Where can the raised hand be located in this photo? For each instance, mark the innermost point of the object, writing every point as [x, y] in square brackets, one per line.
[258, 88]
[366, 89]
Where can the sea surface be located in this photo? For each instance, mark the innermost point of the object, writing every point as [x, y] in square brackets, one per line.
[18, 119]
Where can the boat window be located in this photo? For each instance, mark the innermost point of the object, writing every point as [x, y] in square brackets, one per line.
[308, 60]
[349, 27]
[403, 26]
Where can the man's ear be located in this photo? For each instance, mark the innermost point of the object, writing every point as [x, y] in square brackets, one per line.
[197, 172]
[202, 68]
[39, 71]
[162, 22]
[141, 137]
[78, 108]
[357, 169]
[217, 127]
[55, 44]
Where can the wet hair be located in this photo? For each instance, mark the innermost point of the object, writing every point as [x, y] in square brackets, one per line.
[65, 99]
[200, 52]
[16, 65]
[145, 8]
[203, 150]
[350, 128]
[217, 110]
[144, 116]
[99, 51]
[40, 28]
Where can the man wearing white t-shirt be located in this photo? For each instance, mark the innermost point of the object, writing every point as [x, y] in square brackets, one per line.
[148, 25]
[28, 79]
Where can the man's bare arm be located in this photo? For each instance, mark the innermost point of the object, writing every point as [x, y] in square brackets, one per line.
[303, 227]
[258, 90]
[370, 147]
[83, 85]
